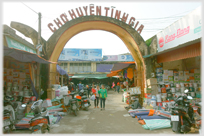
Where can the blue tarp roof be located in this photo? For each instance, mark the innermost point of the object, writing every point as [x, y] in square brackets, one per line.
[61, 71]
[104, 67]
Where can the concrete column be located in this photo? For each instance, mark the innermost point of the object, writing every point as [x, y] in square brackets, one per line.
[52, 74]
[68, 67]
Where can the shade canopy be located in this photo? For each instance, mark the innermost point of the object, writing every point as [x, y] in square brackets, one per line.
[24, 56]
[122, 65]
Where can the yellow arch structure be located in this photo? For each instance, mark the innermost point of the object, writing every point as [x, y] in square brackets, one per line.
[124, 35]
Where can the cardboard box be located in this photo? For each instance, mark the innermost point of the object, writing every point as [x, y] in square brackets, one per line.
[147, 90]
[28, 108]
[181, 73]
[10, 72]
[171, 78]
[9, 79]
[176, 73]
[181, 78]
[176, 78]
[195, 70]
[186, 73]
[151, 81]
[159, 70]
[186, 78]
[170, 73]
[50, 93]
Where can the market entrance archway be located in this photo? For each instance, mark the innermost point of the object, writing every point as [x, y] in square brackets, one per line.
[125, 32]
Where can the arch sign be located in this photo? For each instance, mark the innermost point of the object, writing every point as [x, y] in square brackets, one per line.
[94, 10]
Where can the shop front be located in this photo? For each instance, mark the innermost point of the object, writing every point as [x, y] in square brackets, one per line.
[178, 62]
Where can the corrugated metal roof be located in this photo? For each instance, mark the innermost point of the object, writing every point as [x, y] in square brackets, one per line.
[181, 53]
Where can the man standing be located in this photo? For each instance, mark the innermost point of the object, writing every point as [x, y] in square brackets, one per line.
[103, 95]
[80, 86]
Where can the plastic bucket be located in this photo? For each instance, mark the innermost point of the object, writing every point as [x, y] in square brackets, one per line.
[153, 97]
[26, 99]
[158, 97]
[173, 90]
[153, 102]
[148, 95]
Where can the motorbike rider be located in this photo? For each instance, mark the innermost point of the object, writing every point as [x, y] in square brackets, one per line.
[80, 86]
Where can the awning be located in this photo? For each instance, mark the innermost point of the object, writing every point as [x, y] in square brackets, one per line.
[24, 56]
[97, 76]
[122, 65]
[104, 67]
[61, 71]
[181, 53]
[113, 73]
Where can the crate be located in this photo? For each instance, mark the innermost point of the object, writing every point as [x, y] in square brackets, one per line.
[50, 93]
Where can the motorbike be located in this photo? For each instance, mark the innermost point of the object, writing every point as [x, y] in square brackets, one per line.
[72, 104]
[85, 103]
[182, 114]
[9, 115]
[40, 122]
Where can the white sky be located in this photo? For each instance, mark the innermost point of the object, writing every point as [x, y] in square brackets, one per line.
[150, 14]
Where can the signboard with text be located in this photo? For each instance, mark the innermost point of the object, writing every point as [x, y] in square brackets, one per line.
[118, 58]
[17, 45]
[184, 30]
[73, 54]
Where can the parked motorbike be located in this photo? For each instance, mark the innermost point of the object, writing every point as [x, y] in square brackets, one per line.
[85, 102]
[41, 121]
[182, 118]
[9, 115]
[72, 104]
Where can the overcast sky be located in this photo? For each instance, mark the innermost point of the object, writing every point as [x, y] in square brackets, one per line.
[155, 16]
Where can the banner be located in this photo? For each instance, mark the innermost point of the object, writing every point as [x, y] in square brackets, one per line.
[69, 54]
[17, 45]
[184, 30]
[118, 58]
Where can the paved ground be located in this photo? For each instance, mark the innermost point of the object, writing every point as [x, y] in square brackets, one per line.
[108, 121]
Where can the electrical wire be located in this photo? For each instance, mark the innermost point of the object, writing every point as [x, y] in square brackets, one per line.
[29, 8]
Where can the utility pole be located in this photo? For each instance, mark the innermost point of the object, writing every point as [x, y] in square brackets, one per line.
[38, 53]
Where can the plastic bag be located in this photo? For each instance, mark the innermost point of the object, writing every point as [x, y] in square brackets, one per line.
[92, 97]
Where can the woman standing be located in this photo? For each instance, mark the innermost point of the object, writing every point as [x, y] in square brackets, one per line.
[103, 95]
[96, 101]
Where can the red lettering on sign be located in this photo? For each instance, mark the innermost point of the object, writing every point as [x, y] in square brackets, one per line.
[72, 14]
[49, 26]
[79, 14]
[139, 30]
[58, 22]
[117, 14]
[182, 32]
[136, 24]
[85, 8]
[106, 8]
[98, 10]
[64, 18]
[91, 10]
[132, 21]
[124, 18]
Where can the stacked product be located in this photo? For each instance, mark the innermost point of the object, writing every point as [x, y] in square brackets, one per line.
[174, 83]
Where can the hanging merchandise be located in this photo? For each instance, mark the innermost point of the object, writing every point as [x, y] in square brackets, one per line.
[125, 73]
[130, 73]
